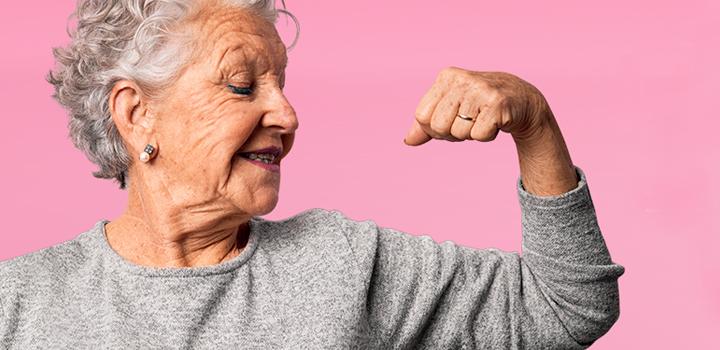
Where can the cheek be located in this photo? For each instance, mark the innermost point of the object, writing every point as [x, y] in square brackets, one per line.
[206, 121]
[237, 123]
[232, 130]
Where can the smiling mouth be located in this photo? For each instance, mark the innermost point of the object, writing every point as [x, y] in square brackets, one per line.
[272, 166]
[268, 155]
[267, 158]
[260, 157]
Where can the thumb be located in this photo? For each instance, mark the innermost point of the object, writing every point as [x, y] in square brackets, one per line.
[416, 136]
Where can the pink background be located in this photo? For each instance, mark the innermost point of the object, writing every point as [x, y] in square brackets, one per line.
[632, 84]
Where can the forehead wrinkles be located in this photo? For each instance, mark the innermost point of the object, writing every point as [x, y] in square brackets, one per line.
[237, 37]
[253, 55]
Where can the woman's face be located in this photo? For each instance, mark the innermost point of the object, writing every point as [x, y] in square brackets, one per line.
[228, 100]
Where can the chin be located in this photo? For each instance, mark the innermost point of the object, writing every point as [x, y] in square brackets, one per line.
[260, 203]
[252, 190]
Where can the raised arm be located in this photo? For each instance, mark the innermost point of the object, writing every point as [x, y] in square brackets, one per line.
[561, 294]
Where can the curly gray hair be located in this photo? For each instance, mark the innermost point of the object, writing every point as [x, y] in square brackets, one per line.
[123, 39]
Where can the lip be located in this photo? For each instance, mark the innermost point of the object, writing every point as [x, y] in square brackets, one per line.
[275, 168]
[274, 150]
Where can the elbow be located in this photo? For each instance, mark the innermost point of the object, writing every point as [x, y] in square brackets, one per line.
[599, 327]
[584, 297]
[589, 332]
[593, 320]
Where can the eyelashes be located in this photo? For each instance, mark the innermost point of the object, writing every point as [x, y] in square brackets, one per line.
[239, 90]
[248, 90]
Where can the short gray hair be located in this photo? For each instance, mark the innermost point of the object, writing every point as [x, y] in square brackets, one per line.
[123, 39]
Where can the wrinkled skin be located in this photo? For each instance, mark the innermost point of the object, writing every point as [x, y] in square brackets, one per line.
[497, 101]
[190, 204]
[475, 106]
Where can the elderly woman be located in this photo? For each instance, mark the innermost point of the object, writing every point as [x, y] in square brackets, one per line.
[182, 103]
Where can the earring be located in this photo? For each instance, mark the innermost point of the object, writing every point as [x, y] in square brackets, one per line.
[147, 153]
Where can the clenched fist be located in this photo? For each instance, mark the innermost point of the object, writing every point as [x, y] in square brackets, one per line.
[467, 105]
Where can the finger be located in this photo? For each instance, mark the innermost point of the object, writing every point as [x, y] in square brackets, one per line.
[461, 127]
[417, 135]
[426, 107]
[488, 123]
[444, 114]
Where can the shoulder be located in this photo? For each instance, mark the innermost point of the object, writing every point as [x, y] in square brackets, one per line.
[317, 232]
[315, 224]
[45, 267]
[313, 216]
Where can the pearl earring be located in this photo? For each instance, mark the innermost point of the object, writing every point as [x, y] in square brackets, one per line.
[147, 153]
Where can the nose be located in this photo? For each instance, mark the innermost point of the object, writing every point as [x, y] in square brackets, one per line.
[280, 114]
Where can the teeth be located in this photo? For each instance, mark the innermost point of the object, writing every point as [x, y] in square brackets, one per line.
[263, 157]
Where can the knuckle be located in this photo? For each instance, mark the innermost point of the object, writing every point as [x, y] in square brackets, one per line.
[496, 97]
[422, 116]
[502, 100]
[449, 71]
[484, 108]
[469, 110]
[438, 127]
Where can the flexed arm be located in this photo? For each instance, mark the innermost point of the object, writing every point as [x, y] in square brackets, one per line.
[561, 293]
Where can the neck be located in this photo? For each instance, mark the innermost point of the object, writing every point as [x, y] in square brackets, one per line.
[153, 233]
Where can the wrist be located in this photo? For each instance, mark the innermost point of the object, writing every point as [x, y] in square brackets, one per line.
[545, 164]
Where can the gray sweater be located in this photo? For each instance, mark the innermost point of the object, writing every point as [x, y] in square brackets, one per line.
[320, 280]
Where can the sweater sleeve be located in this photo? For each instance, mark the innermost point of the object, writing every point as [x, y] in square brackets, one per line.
[562, 293]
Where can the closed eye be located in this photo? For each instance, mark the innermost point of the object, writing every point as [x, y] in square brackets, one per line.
[240, 90]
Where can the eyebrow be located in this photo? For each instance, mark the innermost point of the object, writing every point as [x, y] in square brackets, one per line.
[244, 61]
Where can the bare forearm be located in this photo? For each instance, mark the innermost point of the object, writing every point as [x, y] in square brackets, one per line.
[545, 165]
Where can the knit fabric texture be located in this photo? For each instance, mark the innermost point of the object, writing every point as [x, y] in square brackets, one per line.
[321, 280]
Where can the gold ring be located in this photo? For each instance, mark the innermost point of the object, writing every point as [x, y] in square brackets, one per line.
[465, 117]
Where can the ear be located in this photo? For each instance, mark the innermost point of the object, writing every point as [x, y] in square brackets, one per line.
[130, 115]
